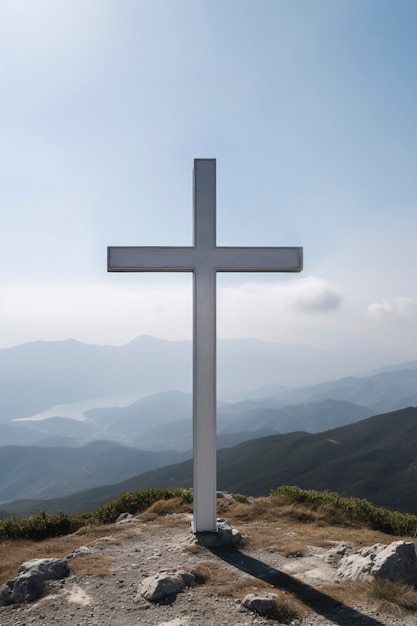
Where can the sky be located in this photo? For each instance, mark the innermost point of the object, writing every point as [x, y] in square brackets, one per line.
[309, 108]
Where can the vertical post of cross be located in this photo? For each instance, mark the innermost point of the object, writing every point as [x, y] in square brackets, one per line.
[204, 348]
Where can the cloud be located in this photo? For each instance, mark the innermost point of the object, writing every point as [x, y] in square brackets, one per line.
[393, 308]
[314, 295]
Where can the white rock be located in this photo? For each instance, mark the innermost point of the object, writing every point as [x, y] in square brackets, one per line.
[396, 561]
[165, 584]
[263, 604]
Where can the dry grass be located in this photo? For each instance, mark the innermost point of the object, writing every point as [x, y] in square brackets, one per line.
[223, 581]
[288, 528]
[392, 597]
[14, 553]
[219, 580]
[387, 596]
[90, 564]
[194, 548]
[174, 509]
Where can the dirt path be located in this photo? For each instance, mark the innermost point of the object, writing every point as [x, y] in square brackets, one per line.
[148, 548]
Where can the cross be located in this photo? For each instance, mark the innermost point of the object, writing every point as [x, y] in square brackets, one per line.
[204, 259]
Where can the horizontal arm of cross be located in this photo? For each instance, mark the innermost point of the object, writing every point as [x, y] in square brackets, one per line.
[190, 258]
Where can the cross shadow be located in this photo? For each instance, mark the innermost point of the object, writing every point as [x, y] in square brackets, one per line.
[333, 610]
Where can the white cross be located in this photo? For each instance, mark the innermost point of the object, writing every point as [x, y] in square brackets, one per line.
[204, 259]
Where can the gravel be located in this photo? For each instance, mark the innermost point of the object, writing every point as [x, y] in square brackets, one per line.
[113, 599]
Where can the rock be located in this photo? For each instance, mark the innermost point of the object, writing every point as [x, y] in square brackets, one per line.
[81, 551]
[123, 517]
[221, 494]
[396, 561]
[335, 554]
[165, 584]
[225, 536]
[6, 593]
[30, 580]
[264, 604]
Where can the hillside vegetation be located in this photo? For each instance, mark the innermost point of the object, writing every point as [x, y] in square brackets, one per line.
[326, 507]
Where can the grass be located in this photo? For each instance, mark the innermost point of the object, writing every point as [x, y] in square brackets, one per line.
[390, 597]
[224, 582]
[287, 522]
[90, 564]
[174, 508]
[333, 508]
[271, 524]
[15, 552]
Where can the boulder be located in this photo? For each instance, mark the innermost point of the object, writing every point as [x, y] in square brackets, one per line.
[6, 593]
[164, 585]
[32, 575]
[263, 604]
[396, 561]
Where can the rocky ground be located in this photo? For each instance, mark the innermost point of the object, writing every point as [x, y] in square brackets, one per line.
[110, 595]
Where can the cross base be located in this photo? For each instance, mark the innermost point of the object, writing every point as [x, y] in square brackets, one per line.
[225, 536]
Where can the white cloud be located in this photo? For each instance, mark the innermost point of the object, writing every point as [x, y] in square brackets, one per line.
[314, 295]
[393, 308]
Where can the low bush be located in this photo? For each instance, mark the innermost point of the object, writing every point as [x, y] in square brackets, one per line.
[330, 507]
[353, 509]
[47, 525]
[136, 502]
[240, 498]
[41, 526]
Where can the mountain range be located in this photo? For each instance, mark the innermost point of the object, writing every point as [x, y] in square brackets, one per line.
[38, 375]
[163, 421]
[375, 459]
[101, 437]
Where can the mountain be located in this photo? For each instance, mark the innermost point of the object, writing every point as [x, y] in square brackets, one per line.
[310, 416]
[18, 435]
[39, 375]
[408, 365]
[375, 458]
[144, 414]
[164, 420]
[42, 472]
[383, 391]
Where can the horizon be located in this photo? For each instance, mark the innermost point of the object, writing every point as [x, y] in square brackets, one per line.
[290, 365]
[309, 109]
[379, 360]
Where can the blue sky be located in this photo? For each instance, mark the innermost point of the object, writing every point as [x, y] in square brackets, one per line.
[308, 107]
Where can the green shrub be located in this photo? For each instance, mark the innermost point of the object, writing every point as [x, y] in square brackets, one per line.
[44, 525]
[241, 499]
[187, 496]
[40, 526]
[137, 501]
[354, 509]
